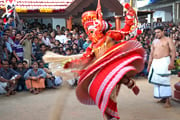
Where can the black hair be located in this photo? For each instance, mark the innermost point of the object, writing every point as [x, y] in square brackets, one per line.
[6, 30]
[18, 62]
[40, 33]
[18, 32]
[67, 29]
[4, 60]
[42, 44]
[57, 26]
[69, 34]
[44, 31]
[159, 27]
[40, 61]
[5, 34]
[68, 49]
[35, 62]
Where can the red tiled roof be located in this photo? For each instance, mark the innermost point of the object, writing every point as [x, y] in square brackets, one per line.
[41, 4]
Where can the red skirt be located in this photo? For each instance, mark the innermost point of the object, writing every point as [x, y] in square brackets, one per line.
[97, 82]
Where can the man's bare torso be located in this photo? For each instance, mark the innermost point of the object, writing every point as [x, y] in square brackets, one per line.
[161, 48]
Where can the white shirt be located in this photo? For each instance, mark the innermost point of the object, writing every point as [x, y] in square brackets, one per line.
[46, 41]
[61, 38]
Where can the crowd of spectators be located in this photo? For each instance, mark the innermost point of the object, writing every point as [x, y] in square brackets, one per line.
[21, 52]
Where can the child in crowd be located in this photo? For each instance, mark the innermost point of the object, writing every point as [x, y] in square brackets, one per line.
[21, 82]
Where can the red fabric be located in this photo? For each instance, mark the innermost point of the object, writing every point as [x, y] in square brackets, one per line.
[125, 48]
[127, 6]
[112, 106]
[100, 78]
[85, 59]
[98, 81]
[115, 35]
[105, 71]
[138, 32]
[110, 87]
[87, 76]
[177, 94]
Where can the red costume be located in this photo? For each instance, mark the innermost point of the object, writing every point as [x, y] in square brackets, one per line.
[107, 63]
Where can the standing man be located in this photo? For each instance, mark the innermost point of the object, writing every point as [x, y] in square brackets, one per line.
[161, 61]
[18, 50]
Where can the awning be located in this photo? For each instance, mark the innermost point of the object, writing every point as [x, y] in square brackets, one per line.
[44, 6]
[143, 13]
[66, 8]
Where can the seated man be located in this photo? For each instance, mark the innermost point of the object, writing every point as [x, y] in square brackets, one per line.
[21, 82]
[8, 79]
[35, 78]
[51, 81]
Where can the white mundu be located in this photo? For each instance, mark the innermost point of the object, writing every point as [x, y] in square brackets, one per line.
[159, 75]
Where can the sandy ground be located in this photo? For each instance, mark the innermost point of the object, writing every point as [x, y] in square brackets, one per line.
[61, 104]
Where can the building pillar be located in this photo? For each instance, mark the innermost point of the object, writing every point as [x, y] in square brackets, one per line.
[69, 23]
[178, 12]
[151, 20]
[118, 22]
[174, 13]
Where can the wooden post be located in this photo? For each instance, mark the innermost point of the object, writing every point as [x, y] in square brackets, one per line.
[118, 22]
[69, 23]
[131, 3]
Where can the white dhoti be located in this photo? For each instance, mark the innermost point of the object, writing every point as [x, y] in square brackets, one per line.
[159, 75]
[162, 91]
[3, 85]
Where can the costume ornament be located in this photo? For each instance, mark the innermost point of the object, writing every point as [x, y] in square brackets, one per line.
[10, 7]
[107, 63]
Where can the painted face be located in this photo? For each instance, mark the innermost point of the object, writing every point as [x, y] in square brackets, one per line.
[93, 31]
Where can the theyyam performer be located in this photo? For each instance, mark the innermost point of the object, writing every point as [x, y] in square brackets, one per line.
[106, 64]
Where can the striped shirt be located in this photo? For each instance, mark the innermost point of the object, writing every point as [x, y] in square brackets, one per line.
[18, 48]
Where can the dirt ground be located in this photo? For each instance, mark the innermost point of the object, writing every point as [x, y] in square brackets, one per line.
[61, 104]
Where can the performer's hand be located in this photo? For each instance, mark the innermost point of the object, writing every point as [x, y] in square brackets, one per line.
[171, 66]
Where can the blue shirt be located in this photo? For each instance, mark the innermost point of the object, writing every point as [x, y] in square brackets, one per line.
[40, 72]
[7, 74]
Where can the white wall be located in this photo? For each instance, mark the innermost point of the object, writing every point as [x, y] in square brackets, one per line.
[168, 16]
[47, 20]
[58, 21]
[158, 14]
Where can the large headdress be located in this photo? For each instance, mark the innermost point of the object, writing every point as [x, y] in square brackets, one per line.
[90, 16]
[94, 24]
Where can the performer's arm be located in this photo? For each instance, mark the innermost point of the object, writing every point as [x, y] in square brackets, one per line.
[172, 53]
[115, 35]
[84, 60]
[150, 58]
[129, 19]
[129, 22]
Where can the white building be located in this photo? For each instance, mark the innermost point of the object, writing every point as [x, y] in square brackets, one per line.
[164, 10]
